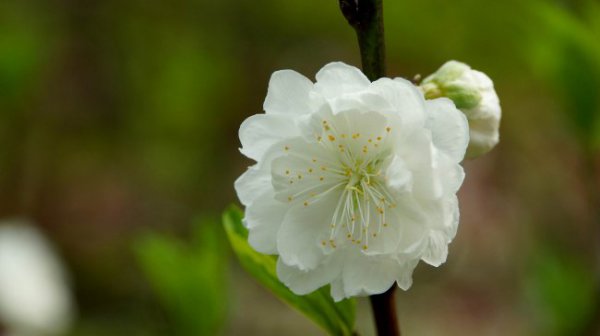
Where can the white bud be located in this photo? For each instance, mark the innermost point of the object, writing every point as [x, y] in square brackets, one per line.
[473, 93]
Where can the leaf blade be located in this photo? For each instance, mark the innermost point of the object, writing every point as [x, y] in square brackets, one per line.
[335, 318]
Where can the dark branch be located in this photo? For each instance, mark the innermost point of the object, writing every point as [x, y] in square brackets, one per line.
[366, 17]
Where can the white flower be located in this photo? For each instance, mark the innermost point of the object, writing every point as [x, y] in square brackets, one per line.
[473, 93]
[355, 181]
[34, 296]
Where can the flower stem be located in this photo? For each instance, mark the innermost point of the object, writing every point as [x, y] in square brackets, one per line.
[366, 17]
[384, 311]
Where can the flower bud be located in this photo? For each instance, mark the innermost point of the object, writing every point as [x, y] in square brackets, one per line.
[473, 93]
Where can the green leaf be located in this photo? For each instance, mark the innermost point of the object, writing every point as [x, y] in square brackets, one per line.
[187, 277]
[335, 318]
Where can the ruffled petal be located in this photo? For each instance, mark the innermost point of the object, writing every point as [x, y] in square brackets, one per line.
[337, 290]
[263, 218]
[398, 176]
[288, 93]
[337, 78]
[405, 100]
[298, 238]
[366, 275]
[304, 282]
[404, 279]
[252, 183]
[261, 131]
[436, 250]
[449, 128]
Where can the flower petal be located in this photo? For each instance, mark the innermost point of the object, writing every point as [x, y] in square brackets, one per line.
[406, 100]
[288, 93]
[298, 238]
[303, 282]
[398, 176]
[263, 218]
[252, 183]
[337, 290]
[436, 250]
[261, 131]
[449, 128]
[337, 78]
[404, 279]
[367, 275]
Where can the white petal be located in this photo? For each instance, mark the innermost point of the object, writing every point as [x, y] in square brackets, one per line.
[288, 93]
[366, 275]
[398, 176]
[406, 270]
[405, 98]
[298, 238]
[252, 183]
[263, 218]
[338, 78]
[337, 290]
[261, 131]
[449, 128]
[422, 158]
[436, 250]
[304, 282]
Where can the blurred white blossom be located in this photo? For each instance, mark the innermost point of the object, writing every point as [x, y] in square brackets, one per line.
[355, 181]
[35, 299]
[473, 93]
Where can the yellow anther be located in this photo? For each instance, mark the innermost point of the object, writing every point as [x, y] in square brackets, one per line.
[365, 247]
[286, 148]
[331, 137]
[305, 203]
[378, 138]
[343, 136]
[321, 178]
[388, 129]
[310, 170]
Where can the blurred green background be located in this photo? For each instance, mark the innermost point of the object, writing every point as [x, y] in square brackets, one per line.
[118, 136]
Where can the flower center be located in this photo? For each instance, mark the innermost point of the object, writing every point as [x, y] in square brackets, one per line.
[361, 208]
[348, 168]
[360, 212]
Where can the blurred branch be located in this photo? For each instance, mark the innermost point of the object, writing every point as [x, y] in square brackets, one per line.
[366, 17]
[384, 311]
[592, 177]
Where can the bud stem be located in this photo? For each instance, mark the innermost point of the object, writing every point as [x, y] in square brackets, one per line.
[384, 311]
